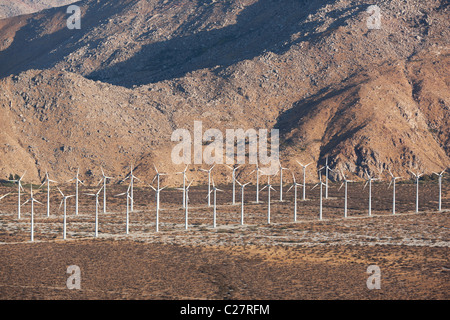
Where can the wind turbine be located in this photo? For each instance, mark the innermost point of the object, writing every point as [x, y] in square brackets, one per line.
[242, 200]
[257, 170]
[304, 178]
[321, 193]
[440, 187]
[327, 168]
[33, 200]
[269, 187]
[77, 180]
[417, 177]
[214, 190]
[64, 200]
[184, 185]
[157, 190]
[104, 178]
[186, 190]
[209, 183]
[294, 185]
[19, 184]
[48, 180]
[392, 182]
[346, 181]
[281, 181]
[233, 177]
[128, 207]
[131, 176]
[96, 195]
[369, 181]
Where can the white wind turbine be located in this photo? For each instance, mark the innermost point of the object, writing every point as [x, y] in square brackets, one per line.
[304, 178]
[440, 187]
[269, 187]
[131, 176]
[19, 184]
[96, 195]
[128, 208]
[281, 180]
[104, 178]
[233, 177]
[209, 183]
[321, 193]
[346, 181]
[158, 191]
[294, 185]
[242, 200]
[77, 180]
[392, 182]
[33, 200]
[327, 168]
[417, 177]
[184, 185]
[257, 170]
[186, 209]
[47, 180]
[369, 181]
[214, 190]
[64, 201]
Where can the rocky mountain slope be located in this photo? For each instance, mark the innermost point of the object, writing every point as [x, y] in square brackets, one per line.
[113, 92]
[14, 8]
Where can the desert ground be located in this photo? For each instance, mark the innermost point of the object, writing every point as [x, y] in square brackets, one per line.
[283, 260]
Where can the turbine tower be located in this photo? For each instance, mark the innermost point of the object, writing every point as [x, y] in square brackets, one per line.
[321, 184]
[242, 200]
[304, 178]
[64, 201]
[104, 178]
[233, 178]
[157, 190]
[369, 181]
[214, 190]
[47, 180]
[184, 184]
[209, 183]
[294, 185]
[96, 195]
[131, 176]
[346, 181]
[77, 180]
[257, 170]
[417, 177]
[19, 184]
[440, 187]
[281, 181]
[128, 208]
[392, 182]
[33, 200]
[269, 187]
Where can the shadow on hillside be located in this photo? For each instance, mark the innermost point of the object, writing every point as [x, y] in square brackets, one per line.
[267, 25]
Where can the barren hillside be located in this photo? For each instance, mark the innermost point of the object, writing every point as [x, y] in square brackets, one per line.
[14, 8]
[113, 92]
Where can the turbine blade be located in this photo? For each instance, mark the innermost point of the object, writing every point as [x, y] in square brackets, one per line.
[60, 191]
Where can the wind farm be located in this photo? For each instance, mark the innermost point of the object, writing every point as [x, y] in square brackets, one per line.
[239, 150]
